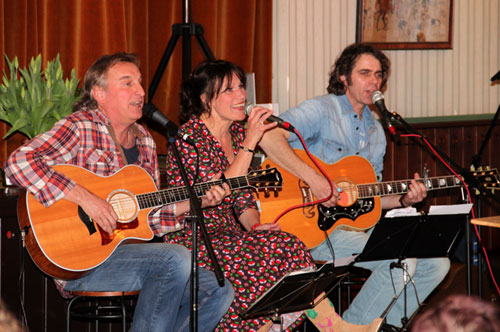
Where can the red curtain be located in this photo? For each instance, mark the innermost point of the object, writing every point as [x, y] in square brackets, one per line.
[82, 30]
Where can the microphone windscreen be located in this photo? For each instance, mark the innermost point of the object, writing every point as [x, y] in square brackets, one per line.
[376, 96]
[148, 110]
[248, 108]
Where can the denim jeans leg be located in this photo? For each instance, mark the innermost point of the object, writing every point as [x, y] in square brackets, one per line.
[213, 302]
[428, 275]
[378, 291]
[160, 271]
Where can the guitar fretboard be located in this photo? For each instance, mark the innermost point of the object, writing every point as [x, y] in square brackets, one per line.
[402, 187]
[259, 179]
[172, 195]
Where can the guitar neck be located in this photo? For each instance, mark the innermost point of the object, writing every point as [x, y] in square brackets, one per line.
[401, 187]
[177, 194]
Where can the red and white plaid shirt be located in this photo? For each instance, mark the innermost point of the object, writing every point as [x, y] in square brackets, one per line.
[83, 139]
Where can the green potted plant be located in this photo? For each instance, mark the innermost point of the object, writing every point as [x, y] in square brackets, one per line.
[32, 99]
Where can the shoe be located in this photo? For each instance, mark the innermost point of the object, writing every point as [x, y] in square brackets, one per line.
[324, 317]
[389, 328]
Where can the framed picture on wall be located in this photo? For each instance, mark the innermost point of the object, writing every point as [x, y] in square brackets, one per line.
[405, 24]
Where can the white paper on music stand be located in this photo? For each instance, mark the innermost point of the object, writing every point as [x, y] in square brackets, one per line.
[450, 209]
[402, 212]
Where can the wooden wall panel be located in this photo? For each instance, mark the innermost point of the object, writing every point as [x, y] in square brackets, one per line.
[460, 141]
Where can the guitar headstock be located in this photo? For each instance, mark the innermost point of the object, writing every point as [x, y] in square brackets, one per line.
[487, 177]
[265, 178]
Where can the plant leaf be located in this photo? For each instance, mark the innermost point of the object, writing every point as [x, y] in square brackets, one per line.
[32, 100]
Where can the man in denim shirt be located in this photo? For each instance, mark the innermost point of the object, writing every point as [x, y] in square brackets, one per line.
[339, 125]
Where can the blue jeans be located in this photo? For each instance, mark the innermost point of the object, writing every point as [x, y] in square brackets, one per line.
[162, 272]
[377, 292]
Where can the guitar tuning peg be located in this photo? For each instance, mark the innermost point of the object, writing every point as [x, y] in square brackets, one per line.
[266, 193]
[488, 168]
[480, 168]
[472, 168]
[275, 190]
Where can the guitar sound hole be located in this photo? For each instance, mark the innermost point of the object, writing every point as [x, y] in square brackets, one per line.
[124, 204]
[348, 194]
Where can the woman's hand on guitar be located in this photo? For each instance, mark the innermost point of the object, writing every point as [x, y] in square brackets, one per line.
[215, 194]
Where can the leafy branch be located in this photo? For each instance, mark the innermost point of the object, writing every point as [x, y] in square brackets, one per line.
[32, 100]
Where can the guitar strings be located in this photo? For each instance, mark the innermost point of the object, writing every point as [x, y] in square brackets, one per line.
[166, 196]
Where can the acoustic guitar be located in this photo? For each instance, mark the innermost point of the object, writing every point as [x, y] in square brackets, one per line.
[359, 206]
[65, 243]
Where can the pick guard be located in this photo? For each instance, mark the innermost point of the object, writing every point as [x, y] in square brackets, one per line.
[328, 217]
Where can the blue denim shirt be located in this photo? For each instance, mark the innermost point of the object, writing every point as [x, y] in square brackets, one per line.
[332, 130]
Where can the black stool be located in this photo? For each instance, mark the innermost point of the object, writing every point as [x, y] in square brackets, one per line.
[87, 306]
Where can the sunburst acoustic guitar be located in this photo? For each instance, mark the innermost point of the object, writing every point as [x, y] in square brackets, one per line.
[65, 243]
[359, 205]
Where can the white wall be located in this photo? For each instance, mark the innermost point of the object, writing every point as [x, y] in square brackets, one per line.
[309, 34]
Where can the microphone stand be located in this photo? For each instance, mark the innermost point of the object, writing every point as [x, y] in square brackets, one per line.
[467, 178]
[476, 161]
[196, 216]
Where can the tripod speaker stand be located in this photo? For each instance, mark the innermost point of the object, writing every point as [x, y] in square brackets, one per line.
[184, 30]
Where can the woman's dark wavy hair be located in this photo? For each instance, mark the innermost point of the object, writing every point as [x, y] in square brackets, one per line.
[207, 78]
[346, 61]
[96, 75]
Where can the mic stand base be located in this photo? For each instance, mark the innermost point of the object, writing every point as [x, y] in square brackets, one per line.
[406, 279]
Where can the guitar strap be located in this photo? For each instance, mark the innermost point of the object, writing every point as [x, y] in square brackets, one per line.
[135, 131]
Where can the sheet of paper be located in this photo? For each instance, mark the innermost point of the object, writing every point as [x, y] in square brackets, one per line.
[402, 212]
[450, 209]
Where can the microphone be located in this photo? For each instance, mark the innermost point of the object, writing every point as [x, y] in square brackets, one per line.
[272, 118]
[378, 100]
[496, 77]
[151, 112]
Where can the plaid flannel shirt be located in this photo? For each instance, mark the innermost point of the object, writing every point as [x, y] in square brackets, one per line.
[83, 139]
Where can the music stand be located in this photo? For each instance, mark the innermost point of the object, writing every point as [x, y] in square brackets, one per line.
[402, 237]
[296, 291]
[421, 236]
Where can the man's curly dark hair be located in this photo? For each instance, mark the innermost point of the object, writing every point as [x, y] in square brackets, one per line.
[346, 61]
[207, 78]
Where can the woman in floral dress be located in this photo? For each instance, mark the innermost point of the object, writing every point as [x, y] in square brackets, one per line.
[253, 256]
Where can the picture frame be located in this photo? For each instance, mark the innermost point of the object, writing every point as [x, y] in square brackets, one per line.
[405, 24]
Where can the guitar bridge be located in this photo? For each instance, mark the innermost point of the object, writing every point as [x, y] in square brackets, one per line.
[307, 197]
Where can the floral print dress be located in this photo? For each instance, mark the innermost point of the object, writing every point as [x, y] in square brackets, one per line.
[252, 261]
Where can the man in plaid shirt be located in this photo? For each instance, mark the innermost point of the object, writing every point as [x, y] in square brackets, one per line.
[102, 136]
